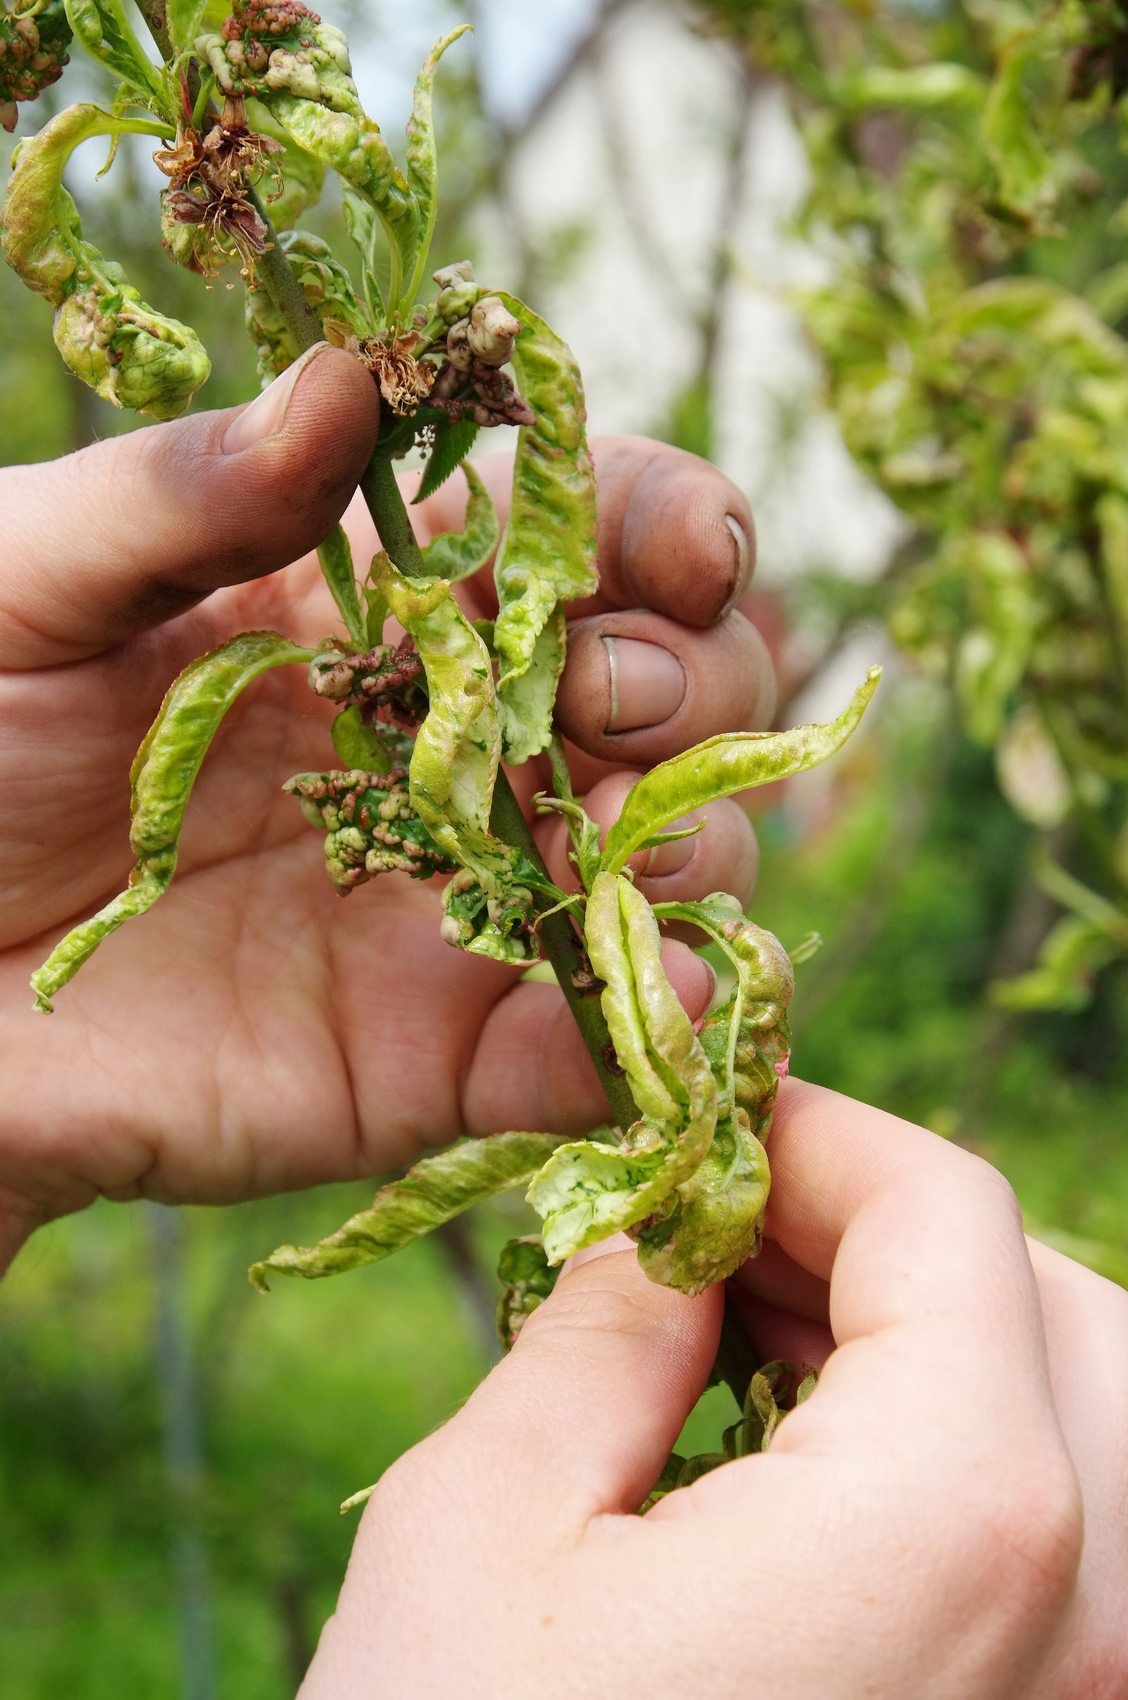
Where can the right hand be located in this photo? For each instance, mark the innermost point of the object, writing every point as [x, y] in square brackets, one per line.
[945, 1518]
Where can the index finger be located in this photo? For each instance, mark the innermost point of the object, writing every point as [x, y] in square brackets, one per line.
[675, 535]
[934, 1306]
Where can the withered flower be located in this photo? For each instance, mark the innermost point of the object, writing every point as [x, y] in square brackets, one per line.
[404, 381]
[209, 180]
[234, 156]
[230, 225]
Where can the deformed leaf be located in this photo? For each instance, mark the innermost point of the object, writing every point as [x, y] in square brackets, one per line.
[458, 747]
[587, 1191]
[526, 701]
[993, 648]
[735, 761]
[766, 1403]
[328, 293]
[1072, 955]
[40, 226]
[527, 1280]
[455, 555]
[163, 773]
[432, 1192]
[499, 924]
[717, 1221]
[422, 162]
[548, 550]
[1009, 128]
[1093, 934]
[130, 354]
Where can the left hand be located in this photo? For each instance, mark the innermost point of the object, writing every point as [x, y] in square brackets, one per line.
[254, 1033]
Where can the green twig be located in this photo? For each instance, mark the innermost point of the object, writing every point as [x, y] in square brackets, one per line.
[735, 1363]
[381, 492]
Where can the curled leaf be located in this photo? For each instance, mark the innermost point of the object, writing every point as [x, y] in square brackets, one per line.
[527, 1280]
[109, 337]
[33, 51]
[256, 54]
[499, 924]
[457, 749]
[526, 701]
[306, 85]
[994, 646]
[454, 555]
[717, 1222]
[422, 162]
[434, 1191]
[587, 1191]
[328, 292]
[42, 237]
[772, 1393]
[370, 825]
[716, 768]
[1009, 128]
[163, 773]
[129, 354]
[548, 550]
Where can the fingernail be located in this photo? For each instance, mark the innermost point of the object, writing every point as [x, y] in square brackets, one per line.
[602, 1248]
[672, 858]
[742, 555]
[647, 684]
[265, 415]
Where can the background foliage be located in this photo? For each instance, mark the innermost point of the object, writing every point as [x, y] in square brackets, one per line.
[173, 1447]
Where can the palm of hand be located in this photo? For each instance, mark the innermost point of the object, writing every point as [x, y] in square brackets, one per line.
[289, 1005]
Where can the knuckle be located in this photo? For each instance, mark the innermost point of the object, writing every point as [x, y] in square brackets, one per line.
[993, 1186]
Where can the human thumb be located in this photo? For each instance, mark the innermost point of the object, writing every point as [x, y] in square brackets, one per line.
[124, 534]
